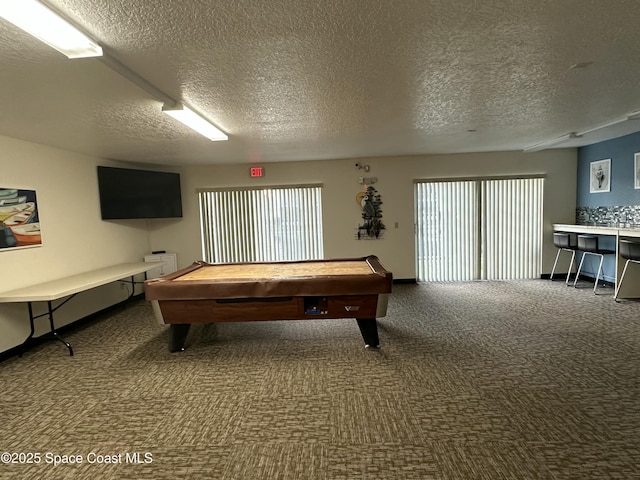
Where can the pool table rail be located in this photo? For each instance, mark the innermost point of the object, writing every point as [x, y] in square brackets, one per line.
[173, 286]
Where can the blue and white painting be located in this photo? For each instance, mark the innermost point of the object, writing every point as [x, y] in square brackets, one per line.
[19, 221]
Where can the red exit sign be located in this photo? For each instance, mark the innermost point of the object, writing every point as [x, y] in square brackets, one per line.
[256, 172]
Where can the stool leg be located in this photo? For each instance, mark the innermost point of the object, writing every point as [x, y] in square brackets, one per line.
[573, 256]
[599, 271]
[619, 284]
[554, 264]
[584, 254]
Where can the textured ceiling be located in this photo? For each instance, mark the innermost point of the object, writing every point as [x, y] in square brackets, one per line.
[304, 80]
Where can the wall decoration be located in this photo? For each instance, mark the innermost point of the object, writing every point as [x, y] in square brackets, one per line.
[19, 221]
[372, 225]
[636, 170]
[622, 216]
[600, 176]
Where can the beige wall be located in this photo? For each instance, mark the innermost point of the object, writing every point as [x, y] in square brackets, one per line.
[395, 185]
[75, 239]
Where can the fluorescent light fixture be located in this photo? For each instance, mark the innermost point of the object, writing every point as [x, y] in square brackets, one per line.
[550, 143]
[606, 125]
[194, 121]
[555, 141]
[629, 117]
[46, 25]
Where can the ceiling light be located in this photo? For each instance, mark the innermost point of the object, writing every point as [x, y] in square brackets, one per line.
[606, 125]
[618, 121]
[44, 24]
[194, 121]
[550, 143]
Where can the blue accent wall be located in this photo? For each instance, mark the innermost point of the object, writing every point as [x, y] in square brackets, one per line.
[620, 151]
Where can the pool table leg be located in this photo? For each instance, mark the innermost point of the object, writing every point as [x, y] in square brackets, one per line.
[177, 336]
[369, 330]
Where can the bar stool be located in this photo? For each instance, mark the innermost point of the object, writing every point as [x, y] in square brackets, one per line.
[630, 251]
[567, 242]
[588, 244]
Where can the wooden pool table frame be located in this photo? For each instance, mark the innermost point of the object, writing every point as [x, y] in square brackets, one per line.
[180, 301]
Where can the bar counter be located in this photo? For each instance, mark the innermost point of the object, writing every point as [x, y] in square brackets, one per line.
[631, 286]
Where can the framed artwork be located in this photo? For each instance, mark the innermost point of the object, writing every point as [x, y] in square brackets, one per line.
[600, 176]
[19, 221]
[636, 170]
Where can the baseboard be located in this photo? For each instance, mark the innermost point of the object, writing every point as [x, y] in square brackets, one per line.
[572, 277]
[69, 327]
[604, 283]
[544, 276]
[12, 352]
[558, 276]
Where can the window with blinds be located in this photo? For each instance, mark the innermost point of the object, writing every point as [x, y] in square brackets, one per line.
[447, 213]
[512, 223]
[261, 225]
[488, 229]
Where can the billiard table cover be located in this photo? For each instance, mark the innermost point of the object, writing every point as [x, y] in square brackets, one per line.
[202, 280]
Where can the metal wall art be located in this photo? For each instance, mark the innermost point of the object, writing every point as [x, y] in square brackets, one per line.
[371, 226]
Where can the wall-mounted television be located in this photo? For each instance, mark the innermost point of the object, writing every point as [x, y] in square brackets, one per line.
[127, 193]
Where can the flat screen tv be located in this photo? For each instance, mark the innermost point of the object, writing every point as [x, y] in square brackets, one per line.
[127, 193]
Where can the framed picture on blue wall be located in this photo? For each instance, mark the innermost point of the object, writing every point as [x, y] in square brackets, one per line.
[636, 170]
[600, 176]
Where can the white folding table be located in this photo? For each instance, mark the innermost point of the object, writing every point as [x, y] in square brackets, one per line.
[69, 287]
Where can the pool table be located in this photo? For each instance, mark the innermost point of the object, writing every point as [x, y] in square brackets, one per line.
[304, 290]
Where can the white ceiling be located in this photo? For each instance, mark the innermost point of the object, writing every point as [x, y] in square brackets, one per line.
[319, 79]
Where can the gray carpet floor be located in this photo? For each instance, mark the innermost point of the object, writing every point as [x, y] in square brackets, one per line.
[481, 380]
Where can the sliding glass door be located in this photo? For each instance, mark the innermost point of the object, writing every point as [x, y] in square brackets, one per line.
[487, 229]
[512, 223]
[447, 236]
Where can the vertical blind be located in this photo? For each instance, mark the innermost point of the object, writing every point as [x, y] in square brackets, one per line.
[261, 225]
[479, 229]
[446, 214]
[512, 220]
